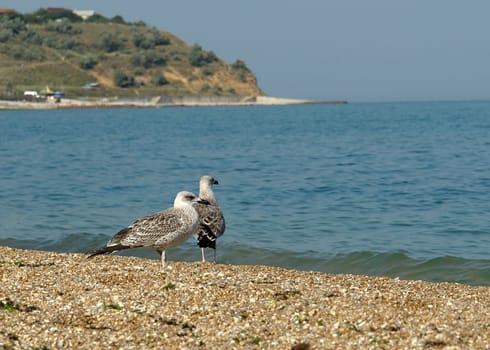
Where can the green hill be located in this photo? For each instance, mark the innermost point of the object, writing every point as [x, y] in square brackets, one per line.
[64, 52]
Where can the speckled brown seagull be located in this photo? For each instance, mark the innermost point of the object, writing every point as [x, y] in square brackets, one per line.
[211, 220]
[159, 231]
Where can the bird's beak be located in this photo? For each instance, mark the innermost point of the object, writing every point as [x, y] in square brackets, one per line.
[215, 182]
[202, 201]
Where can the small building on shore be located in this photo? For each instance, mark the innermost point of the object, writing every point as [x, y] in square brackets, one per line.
[31, 93]
[84, 13]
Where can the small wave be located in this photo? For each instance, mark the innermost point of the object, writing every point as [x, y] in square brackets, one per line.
[391, 264]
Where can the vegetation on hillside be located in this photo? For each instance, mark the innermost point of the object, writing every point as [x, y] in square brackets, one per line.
[102, 56]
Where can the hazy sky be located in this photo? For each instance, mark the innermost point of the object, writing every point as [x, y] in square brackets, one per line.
[378, 50]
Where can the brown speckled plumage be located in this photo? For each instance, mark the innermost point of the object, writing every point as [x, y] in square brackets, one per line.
[211, 220]
[159, 231]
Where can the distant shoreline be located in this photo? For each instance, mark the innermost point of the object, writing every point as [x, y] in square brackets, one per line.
[158, 102]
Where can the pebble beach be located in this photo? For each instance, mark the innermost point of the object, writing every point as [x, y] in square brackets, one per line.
[65, 301]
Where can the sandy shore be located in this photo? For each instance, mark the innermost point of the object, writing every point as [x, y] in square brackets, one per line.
[156, 102]
[64, 301]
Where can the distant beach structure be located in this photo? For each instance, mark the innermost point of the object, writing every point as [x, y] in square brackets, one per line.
[84, 13]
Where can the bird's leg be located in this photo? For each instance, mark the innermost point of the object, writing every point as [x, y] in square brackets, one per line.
[214, 251]
[203, 255]
[163, 259]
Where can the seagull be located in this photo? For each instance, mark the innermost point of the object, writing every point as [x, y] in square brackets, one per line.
[159, 231]
[211, 220]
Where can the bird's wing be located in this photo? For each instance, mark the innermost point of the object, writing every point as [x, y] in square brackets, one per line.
[211, 217]
[147, 230]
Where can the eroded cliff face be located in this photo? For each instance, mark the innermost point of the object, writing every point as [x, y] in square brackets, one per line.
[113, 59]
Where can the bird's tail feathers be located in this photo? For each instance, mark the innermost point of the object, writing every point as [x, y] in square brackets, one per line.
[207, 239]
[106, 250]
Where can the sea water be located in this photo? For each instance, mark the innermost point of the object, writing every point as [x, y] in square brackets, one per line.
[394, 189]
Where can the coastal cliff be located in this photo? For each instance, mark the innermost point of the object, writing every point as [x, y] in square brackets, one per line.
[106, 57]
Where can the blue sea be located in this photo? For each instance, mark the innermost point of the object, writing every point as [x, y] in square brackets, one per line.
[387, 189]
